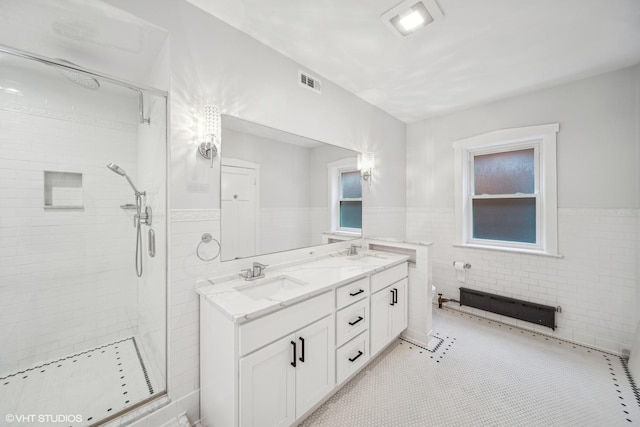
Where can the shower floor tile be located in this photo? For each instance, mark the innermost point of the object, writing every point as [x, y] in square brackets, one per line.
[90, 385]
[478, 372]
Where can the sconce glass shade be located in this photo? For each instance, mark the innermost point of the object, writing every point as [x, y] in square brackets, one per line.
[366, 162]
[211, 132]
[211, 121]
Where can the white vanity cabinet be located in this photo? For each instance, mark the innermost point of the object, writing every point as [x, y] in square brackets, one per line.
[388, 306]
[273, 368]
[247, 373]
[281, 381]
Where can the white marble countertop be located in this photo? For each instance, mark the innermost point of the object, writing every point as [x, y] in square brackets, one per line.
[241, 300]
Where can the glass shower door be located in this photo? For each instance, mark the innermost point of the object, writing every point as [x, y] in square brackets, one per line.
[81, 334]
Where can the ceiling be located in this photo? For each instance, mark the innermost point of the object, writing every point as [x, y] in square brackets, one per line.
[480, 51]
[94, 35]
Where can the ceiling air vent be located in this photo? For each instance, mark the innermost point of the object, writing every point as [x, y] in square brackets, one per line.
[310, 82]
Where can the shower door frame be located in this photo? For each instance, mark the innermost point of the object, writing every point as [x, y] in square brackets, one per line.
[153, 91]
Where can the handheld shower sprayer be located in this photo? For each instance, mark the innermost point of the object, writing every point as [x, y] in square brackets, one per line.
[142, 216]
[117, 169]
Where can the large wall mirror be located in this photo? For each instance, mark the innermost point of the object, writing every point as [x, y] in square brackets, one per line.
[281, 191]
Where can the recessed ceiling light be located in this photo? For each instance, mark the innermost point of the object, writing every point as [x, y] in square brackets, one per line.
[411, 15]
[411, 20]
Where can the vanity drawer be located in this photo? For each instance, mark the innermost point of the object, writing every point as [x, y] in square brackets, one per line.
[352, 292]
[264, 330]
[388, 276]
[352, 356]
[351, 321]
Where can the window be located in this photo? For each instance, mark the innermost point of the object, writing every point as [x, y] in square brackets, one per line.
[506, 190]
[345, 196]
[350, 200]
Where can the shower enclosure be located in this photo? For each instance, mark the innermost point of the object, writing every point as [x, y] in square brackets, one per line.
[83, 257]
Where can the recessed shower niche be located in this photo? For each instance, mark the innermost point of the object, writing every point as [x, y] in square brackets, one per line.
[63, 190]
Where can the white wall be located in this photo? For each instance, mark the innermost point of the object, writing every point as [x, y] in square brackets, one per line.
[595, 282]
[284, 215]
[284, 168]
[212, 63]
[67, 280]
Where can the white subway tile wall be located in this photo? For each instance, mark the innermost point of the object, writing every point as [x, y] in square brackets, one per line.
[187, 227]
[152, 286]
[594, 282]
[66, 277]
[384, 222]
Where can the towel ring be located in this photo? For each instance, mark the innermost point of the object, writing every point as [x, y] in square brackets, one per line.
[208, 238]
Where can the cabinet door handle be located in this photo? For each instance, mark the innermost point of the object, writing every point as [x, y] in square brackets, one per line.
[356, 321]
[356, 293]
[392, 299]
[302, 350]
[354, 359]
[395, 295]
[293, 343]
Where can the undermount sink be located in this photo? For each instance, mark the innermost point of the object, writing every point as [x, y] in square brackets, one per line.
[270, 288]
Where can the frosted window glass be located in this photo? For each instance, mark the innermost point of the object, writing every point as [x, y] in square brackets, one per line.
[509, 172]
[350, 183]
[351, 214]
[511, 220]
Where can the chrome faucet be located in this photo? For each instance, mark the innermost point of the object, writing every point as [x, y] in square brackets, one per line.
[353, 249]
[255, 272]
[258, 270]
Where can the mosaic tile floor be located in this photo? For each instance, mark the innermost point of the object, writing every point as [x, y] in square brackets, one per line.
[90, 386]
[484, 373]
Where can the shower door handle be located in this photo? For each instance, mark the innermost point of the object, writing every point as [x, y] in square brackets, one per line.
[152, 243]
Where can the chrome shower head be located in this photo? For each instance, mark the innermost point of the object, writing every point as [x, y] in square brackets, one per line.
[117, 169]
[77, 77]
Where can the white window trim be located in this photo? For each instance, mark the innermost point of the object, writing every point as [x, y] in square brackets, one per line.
[335, 169]
[544, 138]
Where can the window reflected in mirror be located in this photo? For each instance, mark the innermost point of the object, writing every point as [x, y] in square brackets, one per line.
[281, 191]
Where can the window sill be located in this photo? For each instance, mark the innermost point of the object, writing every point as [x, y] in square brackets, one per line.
[510, 250]
[344, 233]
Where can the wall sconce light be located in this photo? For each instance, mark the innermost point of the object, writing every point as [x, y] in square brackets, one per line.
[366, 162]
[211, 132]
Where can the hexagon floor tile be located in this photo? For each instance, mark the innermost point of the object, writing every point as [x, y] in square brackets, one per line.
[485, 373]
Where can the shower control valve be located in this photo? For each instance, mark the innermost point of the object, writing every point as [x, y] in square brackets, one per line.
[144, 217]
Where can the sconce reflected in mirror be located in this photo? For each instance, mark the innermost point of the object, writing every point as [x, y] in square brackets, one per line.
[366, 162]
[210, 132]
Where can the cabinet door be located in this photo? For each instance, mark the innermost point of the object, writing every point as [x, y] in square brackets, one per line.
[380, 320]
[267, 386]
[399, 309]
[315, 367]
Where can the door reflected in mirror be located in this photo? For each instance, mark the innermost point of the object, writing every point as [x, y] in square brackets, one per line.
[281, 191]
